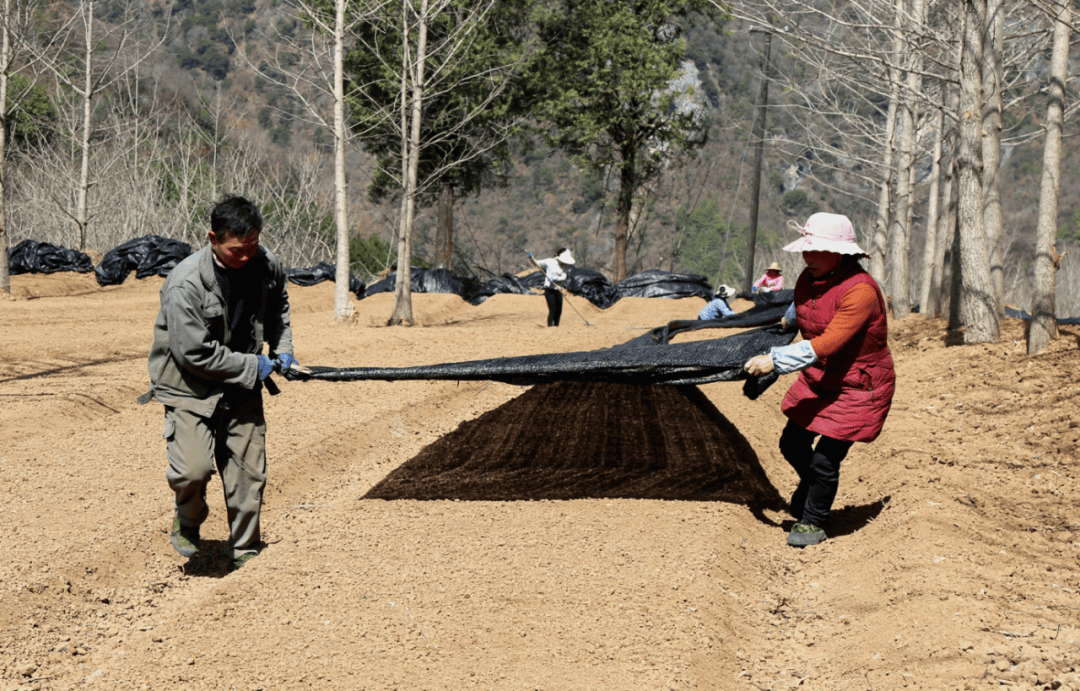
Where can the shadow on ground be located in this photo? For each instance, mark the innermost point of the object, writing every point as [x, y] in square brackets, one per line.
[589, 440]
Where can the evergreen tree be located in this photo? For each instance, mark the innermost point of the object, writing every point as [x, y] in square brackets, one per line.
[603, 82]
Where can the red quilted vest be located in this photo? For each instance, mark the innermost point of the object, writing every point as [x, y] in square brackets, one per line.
[846, 395]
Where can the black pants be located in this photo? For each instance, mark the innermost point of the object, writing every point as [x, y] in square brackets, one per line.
[554, 303]
[818, 469]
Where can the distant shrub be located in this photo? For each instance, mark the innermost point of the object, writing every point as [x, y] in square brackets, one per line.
[797, 203]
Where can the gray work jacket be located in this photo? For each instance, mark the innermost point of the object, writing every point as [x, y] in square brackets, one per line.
[189, 364]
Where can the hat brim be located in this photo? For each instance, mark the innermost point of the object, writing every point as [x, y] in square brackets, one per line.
[565, 258]
[809, 243]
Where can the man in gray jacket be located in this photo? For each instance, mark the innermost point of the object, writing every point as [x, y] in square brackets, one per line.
[218, 308]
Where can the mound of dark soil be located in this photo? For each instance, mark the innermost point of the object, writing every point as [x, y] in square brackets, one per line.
[578, 440]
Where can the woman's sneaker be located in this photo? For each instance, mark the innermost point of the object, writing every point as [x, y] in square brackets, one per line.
[805, 534]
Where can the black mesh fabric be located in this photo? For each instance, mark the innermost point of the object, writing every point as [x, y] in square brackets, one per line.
[647, 359]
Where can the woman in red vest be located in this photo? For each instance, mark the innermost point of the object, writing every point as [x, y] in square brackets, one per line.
[846, 376]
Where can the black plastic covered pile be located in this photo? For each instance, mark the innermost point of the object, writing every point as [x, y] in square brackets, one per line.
[323, 271]
[31, 256]
[1021, 314]
[148, 256]
[427, 281]
[507, 283]
[654, 283]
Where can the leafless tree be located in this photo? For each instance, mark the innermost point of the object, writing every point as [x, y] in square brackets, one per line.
[124, 56]
[977, 308]
[880, 240]
[1043, 311]
[15, 23]
[5, 69]
[424, 71]
[899, 229]
[994, 46]
[930, 247]
[317, 82]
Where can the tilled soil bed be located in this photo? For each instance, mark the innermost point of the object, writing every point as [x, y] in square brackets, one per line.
[445, 535]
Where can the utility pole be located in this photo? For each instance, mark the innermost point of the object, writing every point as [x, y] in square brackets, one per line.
[759, 145]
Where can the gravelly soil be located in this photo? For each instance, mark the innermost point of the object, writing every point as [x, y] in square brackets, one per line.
[443, 535]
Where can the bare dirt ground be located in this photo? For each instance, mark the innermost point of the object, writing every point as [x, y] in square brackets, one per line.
[951, 561]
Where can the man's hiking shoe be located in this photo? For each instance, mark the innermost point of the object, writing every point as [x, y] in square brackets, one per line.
[242, 559]
[184, 540]
[805, 534]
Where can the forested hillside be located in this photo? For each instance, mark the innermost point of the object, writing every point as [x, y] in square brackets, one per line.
[205, 99]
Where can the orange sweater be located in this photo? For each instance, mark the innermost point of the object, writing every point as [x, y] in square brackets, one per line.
[856, 308]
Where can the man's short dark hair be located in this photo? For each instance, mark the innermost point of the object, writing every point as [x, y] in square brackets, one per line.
[236, 217]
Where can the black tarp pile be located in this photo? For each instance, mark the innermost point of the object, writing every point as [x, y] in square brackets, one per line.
[427, 281]
[654, 283]
[647, 359]
[31, 256]
[591, 285]
[1021, 314]
[149, 255]
[507, 283]
[323, 271]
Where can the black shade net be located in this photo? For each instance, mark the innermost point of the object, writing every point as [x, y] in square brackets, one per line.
[647, 359]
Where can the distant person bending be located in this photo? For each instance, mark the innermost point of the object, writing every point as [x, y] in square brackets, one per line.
[772, 279]
[554, 275]
[718, 307]
[218, 307]
[846, 377]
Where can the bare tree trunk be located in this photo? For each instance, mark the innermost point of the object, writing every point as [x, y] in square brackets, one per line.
[993, 47]
[881, 226]
[5, 66]
[930, 256]
[1043, 310]
[402, 313]
[760, 111]
[977, 307]
[444, 228]
[626, 202]
[342, 302]
[88, 86]
[945, 285]
[897, 250]
[955, 277]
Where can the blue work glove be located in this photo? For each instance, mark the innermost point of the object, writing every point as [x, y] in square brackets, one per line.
[530, 254]
[266, 366]
[286, 360]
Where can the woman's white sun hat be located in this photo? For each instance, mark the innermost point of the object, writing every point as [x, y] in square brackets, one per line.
[827, 233]
[565, 257]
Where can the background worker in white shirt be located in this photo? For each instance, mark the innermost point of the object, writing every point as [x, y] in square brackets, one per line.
[554, 274]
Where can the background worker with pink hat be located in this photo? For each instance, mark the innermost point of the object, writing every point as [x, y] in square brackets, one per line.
[846, 377]
[772, 279]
